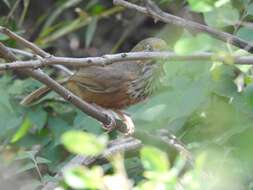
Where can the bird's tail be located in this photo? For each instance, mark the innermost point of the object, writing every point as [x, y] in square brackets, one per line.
[39, 93]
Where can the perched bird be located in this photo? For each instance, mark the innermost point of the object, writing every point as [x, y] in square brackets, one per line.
[115, 86]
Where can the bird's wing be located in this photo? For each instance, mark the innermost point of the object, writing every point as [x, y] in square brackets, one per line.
[107, 79]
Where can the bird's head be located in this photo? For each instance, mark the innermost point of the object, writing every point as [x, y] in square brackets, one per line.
[150, 44]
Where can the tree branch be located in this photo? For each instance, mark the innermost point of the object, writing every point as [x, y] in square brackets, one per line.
[131, 56]
[33, 56]
[129, 146]
[24, 42]
[123, 145]
[154, 11]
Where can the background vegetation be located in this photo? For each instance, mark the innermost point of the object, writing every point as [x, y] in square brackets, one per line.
[207, 105]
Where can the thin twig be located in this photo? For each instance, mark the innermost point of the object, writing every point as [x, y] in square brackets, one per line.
[33, 56]
[64, 69]
[14, 7]
[155, 12]
[24, 42]
[22, 52]
[131, 56]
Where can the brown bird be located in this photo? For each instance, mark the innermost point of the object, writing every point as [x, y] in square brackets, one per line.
[115, 86]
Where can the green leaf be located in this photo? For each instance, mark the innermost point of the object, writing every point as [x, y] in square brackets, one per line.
[244, 101]
[23, 86]
[34, 139]
[59, 107]
[25, 155]
[90, 32]
[150, 114]
[191, 44]
[26, 167]
[10, 121]
[48, 178]
[223, 80]
[58, 127]
[220, 3]
[55, 154]
[83, 122]
[245, 33]
[84, 178]
[222, 16]
[26, 125]
[97, 9]
[3, 37]
[201, 6]
[38, 117]
[200, 162]
[249, 9]
[41, 160]
[5, 83]
[83, 143]
[154, 159]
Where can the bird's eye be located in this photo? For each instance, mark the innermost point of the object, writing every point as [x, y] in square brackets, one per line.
[148, 47]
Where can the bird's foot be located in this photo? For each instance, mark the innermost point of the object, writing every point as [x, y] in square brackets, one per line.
[111, 118]
[129, 123]
[112, 123]
[114, 115]
[126, 119]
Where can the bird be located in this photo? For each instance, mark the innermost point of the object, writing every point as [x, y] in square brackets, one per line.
[115, 86]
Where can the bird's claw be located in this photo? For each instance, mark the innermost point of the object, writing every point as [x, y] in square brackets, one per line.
[129, 124]
[112, 123]
[112, 116]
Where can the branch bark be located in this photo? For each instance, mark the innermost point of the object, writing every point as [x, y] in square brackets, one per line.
[33, 56]
[131, 56]
[24, 42]
[155, 12]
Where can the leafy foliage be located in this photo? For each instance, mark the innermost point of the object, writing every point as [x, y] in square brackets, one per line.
[208, 105]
